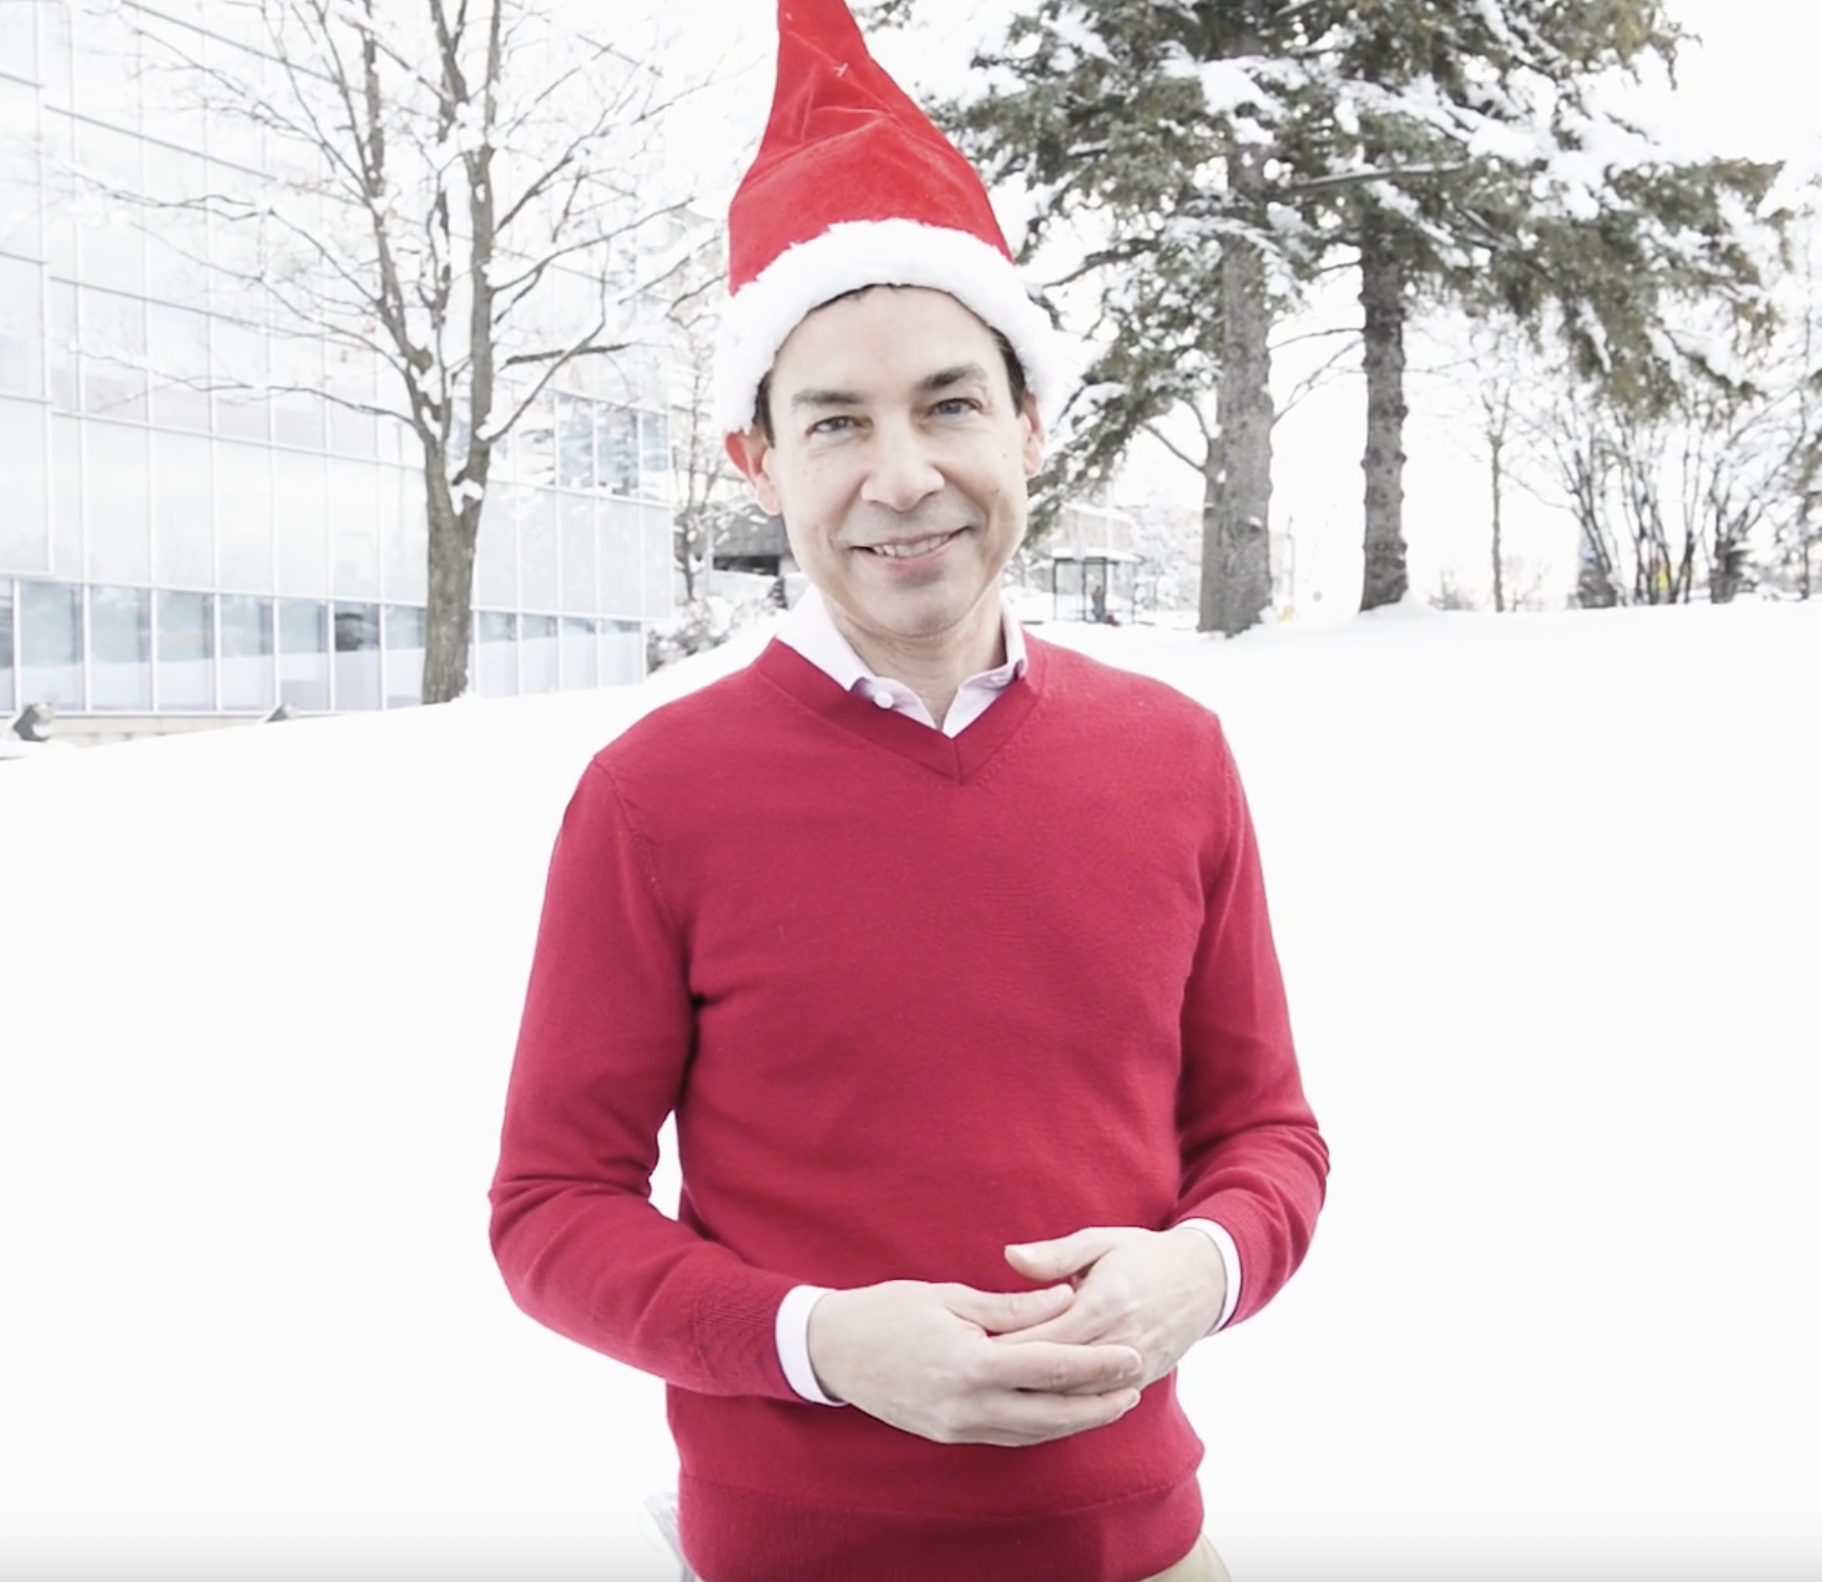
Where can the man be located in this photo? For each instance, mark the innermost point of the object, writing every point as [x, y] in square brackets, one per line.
[947, 949]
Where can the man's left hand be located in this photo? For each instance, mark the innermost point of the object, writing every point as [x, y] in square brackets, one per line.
[1156, 1291]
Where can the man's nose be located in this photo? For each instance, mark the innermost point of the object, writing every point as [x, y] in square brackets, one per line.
[901, 470]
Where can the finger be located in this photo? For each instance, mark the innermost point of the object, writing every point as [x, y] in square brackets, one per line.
[1003, 1312]
[1025, 1419]
[1050, 1368]
[1078, 1327]
[1062, 1257]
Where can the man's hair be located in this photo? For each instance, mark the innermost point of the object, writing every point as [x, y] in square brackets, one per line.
[1015, 372]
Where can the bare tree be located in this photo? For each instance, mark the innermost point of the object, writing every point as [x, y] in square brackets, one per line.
[711, 494]
[470, 191]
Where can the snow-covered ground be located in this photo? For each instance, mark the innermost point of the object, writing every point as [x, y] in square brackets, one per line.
[1547, 894]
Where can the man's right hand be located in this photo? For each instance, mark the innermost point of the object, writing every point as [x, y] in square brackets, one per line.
[921, 1357]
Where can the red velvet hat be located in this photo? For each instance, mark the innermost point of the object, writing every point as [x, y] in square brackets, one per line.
[854, 186]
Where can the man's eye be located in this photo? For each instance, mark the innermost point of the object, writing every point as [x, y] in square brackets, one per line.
[832, 425]
[955, 406]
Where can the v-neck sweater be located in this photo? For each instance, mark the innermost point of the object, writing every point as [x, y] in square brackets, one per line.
[911, 998]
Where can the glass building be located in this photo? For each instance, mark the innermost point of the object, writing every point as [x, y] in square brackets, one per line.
[169, 548]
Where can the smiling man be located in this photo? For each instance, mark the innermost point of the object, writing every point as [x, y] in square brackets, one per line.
[898, 456]
[946, 948]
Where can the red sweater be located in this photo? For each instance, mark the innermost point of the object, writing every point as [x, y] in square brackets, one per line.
[912, 998]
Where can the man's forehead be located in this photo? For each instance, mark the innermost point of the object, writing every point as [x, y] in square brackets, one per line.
[919, 332]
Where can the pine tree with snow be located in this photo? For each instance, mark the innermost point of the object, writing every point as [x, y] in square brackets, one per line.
[1218, 156]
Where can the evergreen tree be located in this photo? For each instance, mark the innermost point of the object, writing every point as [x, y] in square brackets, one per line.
[1221, 153]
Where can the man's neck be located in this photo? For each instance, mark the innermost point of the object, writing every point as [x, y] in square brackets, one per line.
[934, 669]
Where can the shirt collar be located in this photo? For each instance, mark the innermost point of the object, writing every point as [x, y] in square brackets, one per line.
[810, 629]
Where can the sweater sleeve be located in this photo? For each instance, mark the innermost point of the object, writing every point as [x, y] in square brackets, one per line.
[603, 1048]
[1253, 1160]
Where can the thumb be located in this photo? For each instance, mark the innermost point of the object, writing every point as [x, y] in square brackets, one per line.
[1059, 1259]
[1003, 1312]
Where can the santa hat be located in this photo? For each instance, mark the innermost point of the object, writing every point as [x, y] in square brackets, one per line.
[853, 186]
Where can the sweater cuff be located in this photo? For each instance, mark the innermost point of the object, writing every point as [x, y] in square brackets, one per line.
[793, 1336]
[1230, 1256]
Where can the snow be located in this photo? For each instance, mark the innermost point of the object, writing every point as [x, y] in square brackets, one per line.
[1545, 889]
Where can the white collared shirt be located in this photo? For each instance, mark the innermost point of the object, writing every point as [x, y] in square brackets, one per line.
[810, 629]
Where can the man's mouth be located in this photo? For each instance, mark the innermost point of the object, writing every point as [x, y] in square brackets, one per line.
[910, 548]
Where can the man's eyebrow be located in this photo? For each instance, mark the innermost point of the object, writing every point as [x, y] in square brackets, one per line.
[942, 379]
[945, 378]
[813, 397]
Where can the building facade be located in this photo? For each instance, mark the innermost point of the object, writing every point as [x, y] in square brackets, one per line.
[176, 539]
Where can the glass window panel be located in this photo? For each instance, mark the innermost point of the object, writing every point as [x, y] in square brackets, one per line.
[120, 648]
[540, 560]
[535, 445]
[111, 220]
[617, 435]
[300, 516]
[117, 489]
[348, 376]
[7, 693]
[186, 651]
[246, 652]
[177, 246]
[19, 41]
[303, 653]
[243, 518]
[62, 350]
[297, 402]
[655, 455]
[62, 192]
[357, 656]
[236, 268]
[25, 515]
[105, 78]
[21, 232]
[618, 524]
[622, 653]
[496, 559]
[113, 337]
[658, 558]
[354, 529]
[576, 518]
[174, 110]
[580, 657]
[177, 356]
[497, 654]
[404, 537]
[575, 443]
[183, 511]
[404, 656]
[21, 325]
[538, 653]
[241, 401]
[50, 644]
[55, 53]
[66, 497]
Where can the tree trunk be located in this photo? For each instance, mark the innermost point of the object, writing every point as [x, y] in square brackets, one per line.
[1236, 540]
[1385, 579]
[449, 616]
[1499, 551]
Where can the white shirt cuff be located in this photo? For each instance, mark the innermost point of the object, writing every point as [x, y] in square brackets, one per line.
[1230, 1256]
[791, 1329]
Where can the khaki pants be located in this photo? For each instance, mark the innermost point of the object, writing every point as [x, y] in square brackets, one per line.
[1201, 1564]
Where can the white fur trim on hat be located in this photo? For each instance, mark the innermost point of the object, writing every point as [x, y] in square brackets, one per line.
[858, 253]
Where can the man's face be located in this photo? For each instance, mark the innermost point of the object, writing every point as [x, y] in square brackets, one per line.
[898, 461]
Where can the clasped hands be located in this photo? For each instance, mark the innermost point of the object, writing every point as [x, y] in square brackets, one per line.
[958, 1365]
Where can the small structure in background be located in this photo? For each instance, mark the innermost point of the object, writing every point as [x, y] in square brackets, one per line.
[1091, 566]
[750, 541]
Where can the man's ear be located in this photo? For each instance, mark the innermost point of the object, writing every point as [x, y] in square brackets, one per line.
[751, 452]
[1033, 449]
